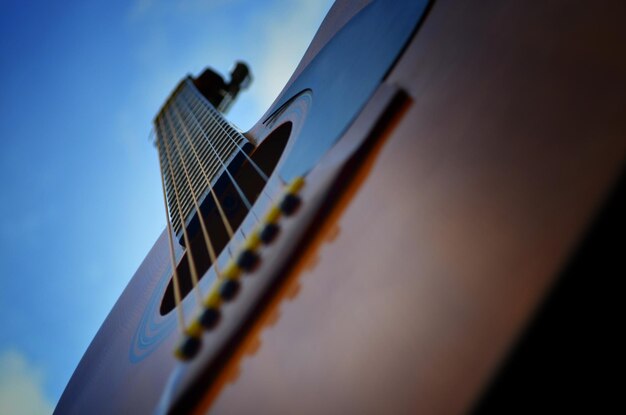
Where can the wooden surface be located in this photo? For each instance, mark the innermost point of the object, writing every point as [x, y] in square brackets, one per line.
[451, 229]
[421, 278]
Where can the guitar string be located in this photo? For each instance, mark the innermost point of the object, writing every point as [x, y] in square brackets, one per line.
[223, 216]
[175, 279]
[183, 121]
[210, 132]
[216, 121]
[205, 233]
[220, 144]
[217, 144]
[211, 113]
[206, 116]
[190, 258]
[243, 197]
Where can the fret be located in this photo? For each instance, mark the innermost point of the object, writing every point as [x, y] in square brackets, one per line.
[215, 141]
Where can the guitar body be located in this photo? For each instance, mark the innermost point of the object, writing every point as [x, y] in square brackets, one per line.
[442, 200]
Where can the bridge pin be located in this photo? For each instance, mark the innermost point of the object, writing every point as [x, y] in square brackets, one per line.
[229, 289]
[268, 233]
[248, 260]
[188, 348]
[290, 204]
[210, 317]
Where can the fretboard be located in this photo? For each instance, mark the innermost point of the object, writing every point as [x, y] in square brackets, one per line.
[195, 145]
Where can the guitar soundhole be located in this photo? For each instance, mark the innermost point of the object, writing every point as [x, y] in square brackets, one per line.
[266, 156]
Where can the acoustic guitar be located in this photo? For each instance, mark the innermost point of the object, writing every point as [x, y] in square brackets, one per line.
[387, 235]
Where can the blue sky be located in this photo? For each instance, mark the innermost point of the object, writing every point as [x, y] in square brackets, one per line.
[80, 202]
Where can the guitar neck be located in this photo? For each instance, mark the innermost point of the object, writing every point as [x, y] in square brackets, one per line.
[196, 146]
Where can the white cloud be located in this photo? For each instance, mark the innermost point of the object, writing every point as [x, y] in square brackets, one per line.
[21, 386]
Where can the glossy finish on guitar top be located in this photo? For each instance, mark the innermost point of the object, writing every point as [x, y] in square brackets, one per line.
[439, 240]
[455, 226]
[135, 344]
